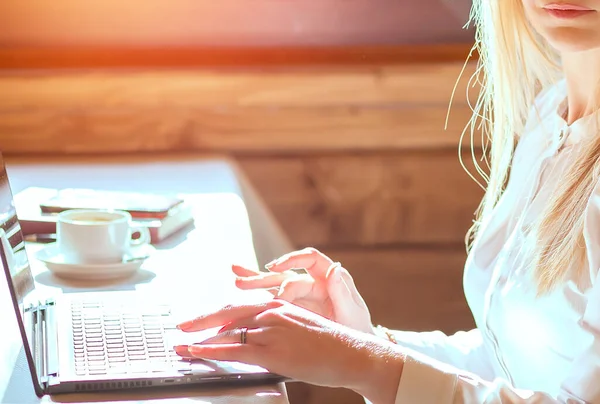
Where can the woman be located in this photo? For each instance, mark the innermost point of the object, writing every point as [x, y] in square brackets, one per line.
[531, 277]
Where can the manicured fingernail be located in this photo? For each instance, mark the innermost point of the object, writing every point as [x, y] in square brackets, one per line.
[184, 326]
[181, 350]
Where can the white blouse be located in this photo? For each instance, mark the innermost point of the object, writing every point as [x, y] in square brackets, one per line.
[525, 349]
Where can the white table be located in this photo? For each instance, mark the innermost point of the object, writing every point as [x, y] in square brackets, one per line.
[231, 225]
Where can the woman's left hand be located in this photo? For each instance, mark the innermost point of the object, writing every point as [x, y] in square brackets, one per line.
[294, 342]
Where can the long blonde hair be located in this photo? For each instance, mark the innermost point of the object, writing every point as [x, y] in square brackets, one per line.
[515, 63]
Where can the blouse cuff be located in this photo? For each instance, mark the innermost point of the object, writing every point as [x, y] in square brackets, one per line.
[424, 381]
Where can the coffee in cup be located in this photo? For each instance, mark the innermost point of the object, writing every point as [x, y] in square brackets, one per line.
[97, 236]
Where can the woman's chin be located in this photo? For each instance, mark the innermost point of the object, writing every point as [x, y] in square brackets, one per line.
[570, 42]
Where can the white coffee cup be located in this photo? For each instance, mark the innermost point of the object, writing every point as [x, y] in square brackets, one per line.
[97, 236]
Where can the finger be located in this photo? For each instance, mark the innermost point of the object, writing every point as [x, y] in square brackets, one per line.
[182, 350]
[234, 336]
[338, 290]
[342, 290]
[243, 271]
[263, 281]
[266, 319]
[296, 288]
[315, 262]
[250, 323]
[226, 315]
[351, 286]
[228, 352]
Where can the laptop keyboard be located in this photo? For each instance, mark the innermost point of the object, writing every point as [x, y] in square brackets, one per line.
[115, 338]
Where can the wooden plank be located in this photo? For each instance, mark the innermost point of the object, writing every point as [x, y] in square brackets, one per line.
[388, 86]
[90, 56]
[368, 199]
[120, 130]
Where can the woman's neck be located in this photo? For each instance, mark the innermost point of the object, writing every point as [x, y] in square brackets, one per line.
[582, 72]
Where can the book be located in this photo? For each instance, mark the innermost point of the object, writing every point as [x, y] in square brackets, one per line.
[138, 204]
[37, 209]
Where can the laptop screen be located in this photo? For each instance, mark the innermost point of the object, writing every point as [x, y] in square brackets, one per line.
[16, 267]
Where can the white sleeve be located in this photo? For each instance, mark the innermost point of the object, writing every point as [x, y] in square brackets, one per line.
[426, 380]
[463, 350]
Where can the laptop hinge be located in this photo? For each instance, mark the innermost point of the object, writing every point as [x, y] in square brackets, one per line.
[45, 341]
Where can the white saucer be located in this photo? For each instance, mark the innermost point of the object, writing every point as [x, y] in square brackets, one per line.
[56, 263]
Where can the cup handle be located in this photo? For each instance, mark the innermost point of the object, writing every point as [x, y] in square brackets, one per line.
[144, 237]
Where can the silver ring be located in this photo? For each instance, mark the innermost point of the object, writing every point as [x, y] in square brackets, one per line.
[243, 335]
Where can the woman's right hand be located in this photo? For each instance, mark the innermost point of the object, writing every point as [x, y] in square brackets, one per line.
[326, 288]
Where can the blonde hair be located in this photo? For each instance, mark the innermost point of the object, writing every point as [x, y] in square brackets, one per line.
[515, 63]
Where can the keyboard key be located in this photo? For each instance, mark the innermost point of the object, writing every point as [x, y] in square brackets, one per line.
[114, 351]
[114, 342]
[155, 342]
[92, 321]
[139, 343]
[93, 353]
[97, 365]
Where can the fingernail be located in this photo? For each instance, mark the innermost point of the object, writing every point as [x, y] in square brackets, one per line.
[221, 329]
[184, 326]
[181, 349]
[271, 264]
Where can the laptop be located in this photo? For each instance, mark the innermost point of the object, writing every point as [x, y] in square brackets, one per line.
[96, 341]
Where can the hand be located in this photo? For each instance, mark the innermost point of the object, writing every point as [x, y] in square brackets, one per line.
[291, 341]
[327, 289]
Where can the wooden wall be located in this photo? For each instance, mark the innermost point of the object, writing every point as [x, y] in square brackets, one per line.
[143, 23]
[351, 157]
